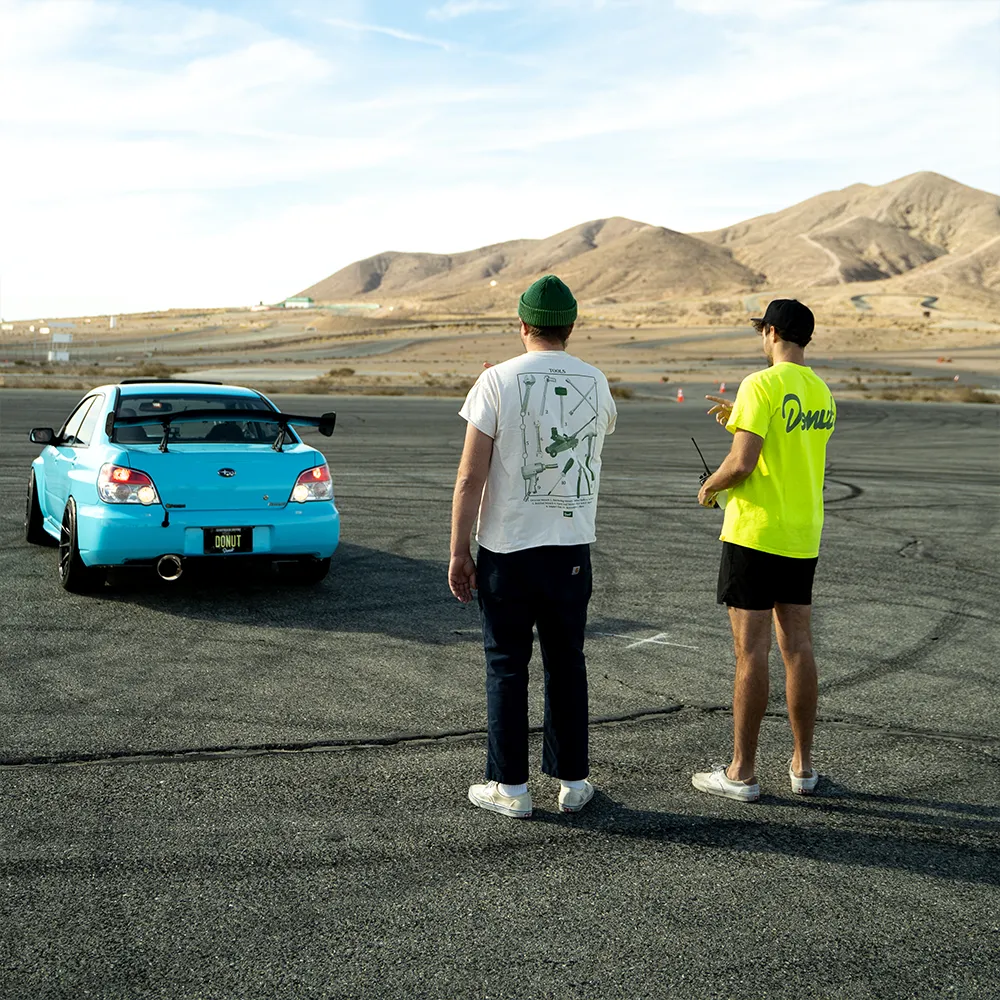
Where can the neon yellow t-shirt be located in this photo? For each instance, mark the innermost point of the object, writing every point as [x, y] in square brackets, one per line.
[779, 507]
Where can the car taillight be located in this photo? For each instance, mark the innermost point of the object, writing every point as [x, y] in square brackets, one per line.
[313, 484]
[118, 484]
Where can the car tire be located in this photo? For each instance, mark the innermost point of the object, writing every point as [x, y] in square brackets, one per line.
[74, 575]
[34, 523]
[309, 572]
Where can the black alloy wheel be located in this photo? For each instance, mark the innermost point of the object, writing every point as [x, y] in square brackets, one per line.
[74, 575]
[34, 527]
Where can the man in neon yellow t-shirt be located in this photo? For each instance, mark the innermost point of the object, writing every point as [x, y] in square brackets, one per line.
[781, 421]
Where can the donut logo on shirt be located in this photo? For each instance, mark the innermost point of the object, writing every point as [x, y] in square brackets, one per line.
[807, 420]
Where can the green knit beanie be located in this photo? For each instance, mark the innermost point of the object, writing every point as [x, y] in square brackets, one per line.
[548, 302]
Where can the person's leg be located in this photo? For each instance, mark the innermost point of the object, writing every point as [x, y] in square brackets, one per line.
[793, 625]
[507, 640]
[752, 644]
[561, 620]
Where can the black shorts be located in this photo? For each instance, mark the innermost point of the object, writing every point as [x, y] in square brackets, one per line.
[756, 581]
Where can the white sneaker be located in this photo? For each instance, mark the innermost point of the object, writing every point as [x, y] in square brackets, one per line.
[572, 800]
[716, 782]
[806, 785]
[490, 797]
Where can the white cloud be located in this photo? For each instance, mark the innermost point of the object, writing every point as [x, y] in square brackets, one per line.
[860, 70]
[222, 91]
[32, 30]
[45, 176]
[378, 29]
[762, 9]
[462, 8]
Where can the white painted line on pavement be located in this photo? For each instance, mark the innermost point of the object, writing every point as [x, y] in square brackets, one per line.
[658, 640]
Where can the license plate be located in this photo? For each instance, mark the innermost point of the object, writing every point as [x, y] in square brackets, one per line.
[223, 541]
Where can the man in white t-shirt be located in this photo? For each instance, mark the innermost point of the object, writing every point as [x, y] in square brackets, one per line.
[531, 469]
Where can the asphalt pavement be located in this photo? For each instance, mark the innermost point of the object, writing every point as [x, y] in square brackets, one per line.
[232, 787]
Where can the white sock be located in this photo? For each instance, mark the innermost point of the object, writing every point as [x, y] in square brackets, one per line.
[512, 791]
[576, 786]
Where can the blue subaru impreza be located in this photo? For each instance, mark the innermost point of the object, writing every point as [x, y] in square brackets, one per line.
[160, 473]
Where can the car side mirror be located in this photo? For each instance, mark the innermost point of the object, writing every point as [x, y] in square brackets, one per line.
[42, 435]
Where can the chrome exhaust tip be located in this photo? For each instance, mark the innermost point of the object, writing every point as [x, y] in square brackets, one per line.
[169, 568]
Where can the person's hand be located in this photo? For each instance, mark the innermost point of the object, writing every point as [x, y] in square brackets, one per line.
[462, 576]
[488, 364]
[706, 497]
[722, 410]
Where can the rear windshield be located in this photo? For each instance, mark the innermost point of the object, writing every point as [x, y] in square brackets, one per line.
[210, 431]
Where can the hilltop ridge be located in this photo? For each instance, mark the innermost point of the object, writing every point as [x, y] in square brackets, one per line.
[865, 233]
[922, 229]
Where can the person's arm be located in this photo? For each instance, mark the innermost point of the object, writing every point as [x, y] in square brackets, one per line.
[736, 466]
[472, 472]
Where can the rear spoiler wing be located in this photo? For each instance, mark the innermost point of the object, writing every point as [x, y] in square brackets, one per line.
[325, 423]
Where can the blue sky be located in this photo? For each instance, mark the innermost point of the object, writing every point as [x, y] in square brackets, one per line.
[195, 154]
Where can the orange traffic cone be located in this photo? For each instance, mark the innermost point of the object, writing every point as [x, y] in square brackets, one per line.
[722, 387]
[680, 395]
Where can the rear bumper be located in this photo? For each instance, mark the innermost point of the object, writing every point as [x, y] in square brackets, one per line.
[112, 535]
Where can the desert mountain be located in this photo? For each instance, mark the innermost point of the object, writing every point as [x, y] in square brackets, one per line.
[923, 223]
[606, 257]
[923, 233]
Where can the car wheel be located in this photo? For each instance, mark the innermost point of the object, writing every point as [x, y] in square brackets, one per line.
[34, 530]
[311, 571]
[73, 574]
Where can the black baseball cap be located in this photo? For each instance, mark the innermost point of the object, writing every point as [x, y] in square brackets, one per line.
[795, 321]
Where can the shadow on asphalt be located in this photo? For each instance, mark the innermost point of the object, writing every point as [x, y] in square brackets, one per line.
[923, 853]
[947, 815]
[368, 590]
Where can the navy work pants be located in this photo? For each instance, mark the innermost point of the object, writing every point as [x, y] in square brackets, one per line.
[549, 588]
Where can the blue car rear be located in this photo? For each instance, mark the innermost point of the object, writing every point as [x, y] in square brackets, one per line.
[163, 473]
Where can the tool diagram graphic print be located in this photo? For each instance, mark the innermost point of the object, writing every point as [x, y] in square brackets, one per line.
[559, 429]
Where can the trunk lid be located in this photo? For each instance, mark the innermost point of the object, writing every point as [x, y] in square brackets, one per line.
[199, 476]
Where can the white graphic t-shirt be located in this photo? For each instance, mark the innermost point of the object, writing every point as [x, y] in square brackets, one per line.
[547, 413]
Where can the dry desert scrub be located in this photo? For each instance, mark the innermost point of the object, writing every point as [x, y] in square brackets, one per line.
[933, 394]
[326, 387]
[41, 382]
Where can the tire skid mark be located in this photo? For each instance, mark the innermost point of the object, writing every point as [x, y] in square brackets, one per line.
[853, 491]
[916, 506]
[946, 627]
[906, 539]
[685, 712]
[830, 600]
[946, 477]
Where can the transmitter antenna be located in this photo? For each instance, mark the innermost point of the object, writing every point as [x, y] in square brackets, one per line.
[708, 471]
